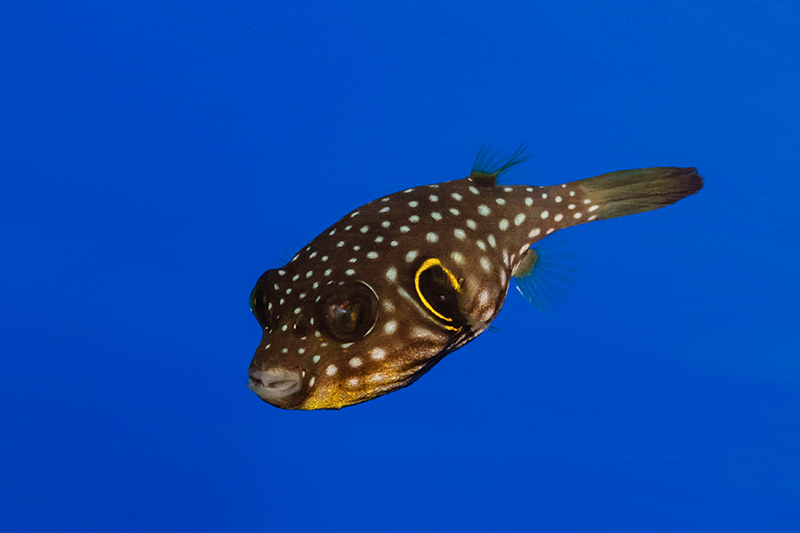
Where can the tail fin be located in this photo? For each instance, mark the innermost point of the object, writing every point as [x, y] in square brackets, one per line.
[626, 192]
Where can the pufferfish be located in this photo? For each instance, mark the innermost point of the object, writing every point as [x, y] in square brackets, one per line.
[381, 296]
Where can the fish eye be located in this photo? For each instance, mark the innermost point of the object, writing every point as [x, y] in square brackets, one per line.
[349, 310]
[259, 303]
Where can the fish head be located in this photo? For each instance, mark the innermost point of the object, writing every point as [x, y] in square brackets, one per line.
[327, 345]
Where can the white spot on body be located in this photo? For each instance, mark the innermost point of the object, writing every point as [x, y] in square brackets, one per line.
[410, 256]
[436, 216]
[413, 204]
[500, 201]
[432, 237]
[486, 264]
[355, 362]
[594, 208]
[454, 211]
[349, 271]
[492, 241]
[433, 198]
[386, 223]
[372, 255]
[558, 217]
[484, 210]
[390, 327]
[422, 333]
[460, 234]
[385, 209]
[473, 190]
[503, 224]
[331, 370]
[471, 224]
[316, 358]
[457, 196]
[483, 299]
[377, 353]
[404, 229]
[519, 219]
[413, 218]
[534, 232]
[545, 214]
[457, 257]
[364, 229]
[578, 215]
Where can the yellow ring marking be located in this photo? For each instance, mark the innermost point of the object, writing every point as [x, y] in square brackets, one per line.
[451, 278]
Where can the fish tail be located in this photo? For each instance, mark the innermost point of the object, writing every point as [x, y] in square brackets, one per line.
[627, 192]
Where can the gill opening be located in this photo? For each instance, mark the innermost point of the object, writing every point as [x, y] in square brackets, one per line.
[450, 278]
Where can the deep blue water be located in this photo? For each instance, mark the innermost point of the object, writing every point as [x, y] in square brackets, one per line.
[157, 157]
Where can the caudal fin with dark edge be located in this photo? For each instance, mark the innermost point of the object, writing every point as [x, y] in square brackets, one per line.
[627, 192]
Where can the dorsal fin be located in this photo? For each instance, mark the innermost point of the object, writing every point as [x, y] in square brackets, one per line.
[489, 166]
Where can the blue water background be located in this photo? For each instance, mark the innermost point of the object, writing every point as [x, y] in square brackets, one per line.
[157, 157]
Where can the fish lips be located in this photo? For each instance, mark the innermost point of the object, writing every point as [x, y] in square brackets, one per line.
[277, 386]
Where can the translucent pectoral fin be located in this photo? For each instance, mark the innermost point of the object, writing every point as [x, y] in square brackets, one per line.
[541, 276]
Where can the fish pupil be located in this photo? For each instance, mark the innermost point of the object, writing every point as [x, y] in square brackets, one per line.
[349, 311]
[347, 315]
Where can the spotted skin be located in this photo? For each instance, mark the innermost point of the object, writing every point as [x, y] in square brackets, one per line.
[377, 299]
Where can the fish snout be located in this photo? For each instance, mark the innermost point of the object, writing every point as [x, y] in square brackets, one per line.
[275, 385]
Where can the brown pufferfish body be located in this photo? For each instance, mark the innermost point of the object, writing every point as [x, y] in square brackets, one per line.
[377, 299]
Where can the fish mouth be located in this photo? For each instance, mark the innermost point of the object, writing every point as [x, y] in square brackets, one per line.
[274, 385]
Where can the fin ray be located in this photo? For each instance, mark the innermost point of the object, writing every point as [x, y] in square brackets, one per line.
[627, 192]
[489, 166]
[541, 276]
